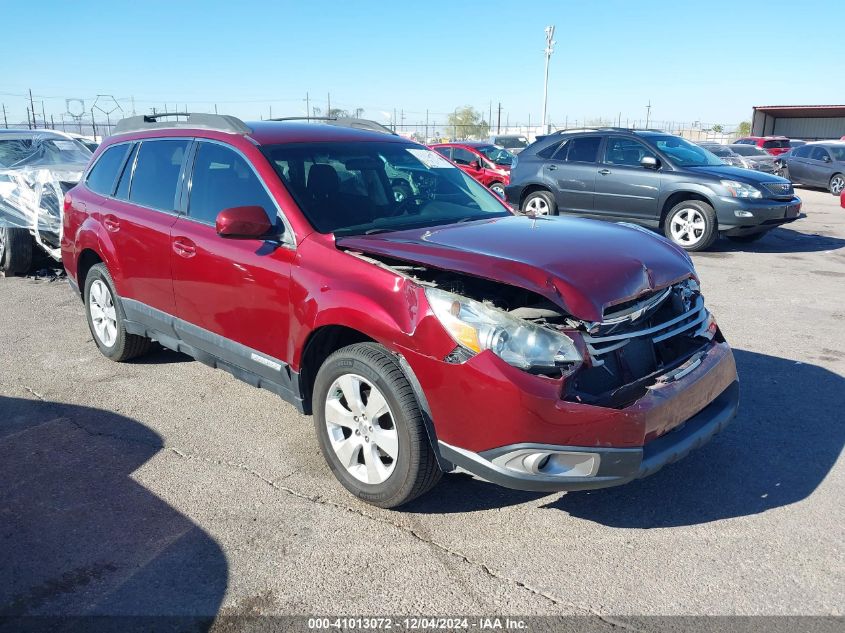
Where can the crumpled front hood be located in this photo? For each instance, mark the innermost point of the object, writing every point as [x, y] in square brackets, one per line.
[581, 265]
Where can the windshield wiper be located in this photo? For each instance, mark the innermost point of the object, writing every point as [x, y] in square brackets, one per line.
[374, 231]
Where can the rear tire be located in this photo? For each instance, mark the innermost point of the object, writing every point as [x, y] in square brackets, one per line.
[498, 188]
[370, 427]
[837, 184]
[106, 318]
[540, 203]
[16, 249]
[692, 225]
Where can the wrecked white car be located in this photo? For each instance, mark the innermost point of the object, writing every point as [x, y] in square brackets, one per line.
[37, 167]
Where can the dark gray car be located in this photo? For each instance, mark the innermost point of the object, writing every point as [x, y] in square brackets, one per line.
[818, 165]
[653, 179]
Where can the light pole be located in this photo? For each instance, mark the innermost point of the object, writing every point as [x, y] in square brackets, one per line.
[550, 33]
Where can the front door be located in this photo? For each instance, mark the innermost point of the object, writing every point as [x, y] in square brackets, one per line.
[232, 295]
[624, 188]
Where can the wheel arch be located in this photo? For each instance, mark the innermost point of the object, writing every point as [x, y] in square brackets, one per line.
[529, 189]
[88, 258]
[683, 196]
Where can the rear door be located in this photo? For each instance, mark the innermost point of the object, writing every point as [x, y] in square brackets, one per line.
[798, 162]
[138, 217]
[819, 167]
[625, 189]
[571, 172]
[232, 295]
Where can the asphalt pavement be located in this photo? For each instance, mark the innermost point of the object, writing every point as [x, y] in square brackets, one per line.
[162, 486]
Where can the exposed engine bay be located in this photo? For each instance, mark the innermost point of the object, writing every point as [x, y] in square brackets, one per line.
[636, 346]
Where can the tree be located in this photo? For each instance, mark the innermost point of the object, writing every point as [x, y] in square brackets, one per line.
[467, 122]
[358, 112]
[337, 113]
[718, 128]
[743, 129]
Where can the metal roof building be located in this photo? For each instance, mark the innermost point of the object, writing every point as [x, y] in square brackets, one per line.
[808, 122]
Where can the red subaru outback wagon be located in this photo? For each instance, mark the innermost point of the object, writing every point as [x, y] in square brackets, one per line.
[425, 332]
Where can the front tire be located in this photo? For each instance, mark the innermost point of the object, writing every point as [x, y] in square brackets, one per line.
[692, 225]
[370, 427]
[837, 184]
[106, 318]
[540, 203]
[499, 189]
[16, 249]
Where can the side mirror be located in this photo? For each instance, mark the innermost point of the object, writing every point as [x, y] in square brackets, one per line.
[649, 162]
[243, 223]
[826, 158]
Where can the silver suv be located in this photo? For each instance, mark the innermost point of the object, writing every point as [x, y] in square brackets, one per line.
[819, 164]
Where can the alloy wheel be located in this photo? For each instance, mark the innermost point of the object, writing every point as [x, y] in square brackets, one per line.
[103, 315]
[362, 429]
[499, 190]
[688, 226]
[537, 206]
[837, 184]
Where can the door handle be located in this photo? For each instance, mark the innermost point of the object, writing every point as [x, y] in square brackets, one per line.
[111, 223]
[184, 247]
[604, 172]
[551, 167]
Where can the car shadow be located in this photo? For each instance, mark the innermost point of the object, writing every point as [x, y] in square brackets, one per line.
[160, 355]
[80, 537]
[778, 240]
[781, 446]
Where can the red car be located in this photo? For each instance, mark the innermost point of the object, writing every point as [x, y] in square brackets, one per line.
[774, 145]
[488, 164]
[423, 331]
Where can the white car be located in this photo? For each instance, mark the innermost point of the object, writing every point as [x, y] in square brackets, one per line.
[37, 167]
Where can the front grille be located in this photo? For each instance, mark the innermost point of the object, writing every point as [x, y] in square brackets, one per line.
[779, 189]
[627, 357]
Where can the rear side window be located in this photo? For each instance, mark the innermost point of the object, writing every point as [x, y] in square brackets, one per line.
[122, 192]
[584, 149]
[223, 179]
[103, 175]
[549, 151]
[156, 177]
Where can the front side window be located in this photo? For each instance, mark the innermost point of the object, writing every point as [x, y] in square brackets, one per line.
[463, 156]
[354, 188]
[681, 152]
[156, 176]
[819, 153]
[625, 151]
[223, 179]
[496, 155]
[444, 151]
[103, 174]
[803, 151]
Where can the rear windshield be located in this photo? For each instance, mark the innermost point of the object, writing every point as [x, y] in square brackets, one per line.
[41, 151]
[749, 150]
[776, 144]
[511, 142]
[371, 187]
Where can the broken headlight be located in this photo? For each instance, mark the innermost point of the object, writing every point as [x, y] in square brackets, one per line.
[478, 327]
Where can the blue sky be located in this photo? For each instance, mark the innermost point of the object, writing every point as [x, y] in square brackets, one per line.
[707, 61]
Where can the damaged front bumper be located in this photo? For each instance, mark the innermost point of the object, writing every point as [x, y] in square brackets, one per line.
[515, 430]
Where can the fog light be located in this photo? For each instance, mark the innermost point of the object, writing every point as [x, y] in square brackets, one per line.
[743, 214]
[550, 463]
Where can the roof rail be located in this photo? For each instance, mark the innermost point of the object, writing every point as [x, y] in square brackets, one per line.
[361, 124]
[217, 122]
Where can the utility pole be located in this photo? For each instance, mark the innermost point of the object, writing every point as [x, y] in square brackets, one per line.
[215, 108]
[307, 107]
[32, 109]
[329, 111]
[28, 123]
[5, 120]
[647, 113]
[133, 104]
[499, 119]
[394, 119]
[93, 124]
[490, 115]
[426, 123]
[402, 118]
[53, 123]
[43, 115]
[550, 33]
[271, 112]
